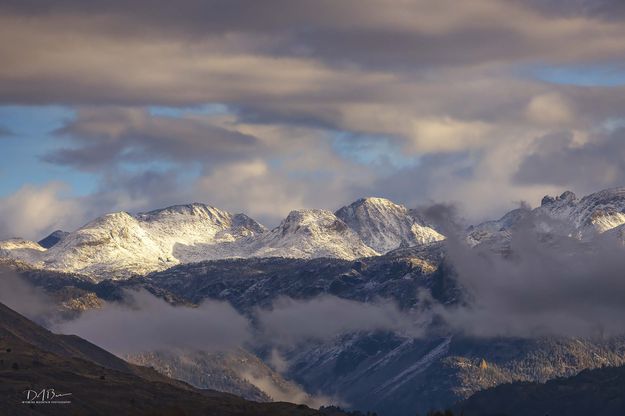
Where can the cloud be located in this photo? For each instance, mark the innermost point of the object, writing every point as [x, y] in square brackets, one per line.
[26, 299]
[34, 211]
[559, 159]
[449, 87]
[150, 324]
[448, 135]
[287, 392]
[555, 286]
[290, 321]
[481, 182]
[549, 109]
[106, 136]
[422, 33]
[144, 322]
[542, 287]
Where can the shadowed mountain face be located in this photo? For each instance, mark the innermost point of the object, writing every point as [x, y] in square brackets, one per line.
[52, 239]
[32, 358]
[592, 392]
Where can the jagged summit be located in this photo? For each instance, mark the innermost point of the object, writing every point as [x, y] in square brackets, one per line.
[567, 197]
[194, 209]
[597, 212]
[384, 225]
[120, 244]
[18, 247]
[310, 233]
[311, 220]
[374, 200]
[198, 214]
[581, 218]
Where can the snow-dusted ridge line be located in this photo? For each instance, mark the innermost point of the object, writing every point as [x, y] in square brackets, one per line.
[384, 225]
[583, 218]
[118, 245]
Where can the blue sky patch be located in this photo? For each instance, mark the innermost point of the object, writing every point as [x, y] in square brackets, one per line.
[596, 75]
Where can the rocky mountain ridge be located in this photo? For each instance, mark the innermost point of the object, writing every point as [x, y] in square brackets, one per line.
[583, 219]
[119, 245]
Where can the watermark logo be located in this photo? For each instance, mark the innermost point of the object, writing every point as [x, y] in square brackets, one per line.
[46, 396]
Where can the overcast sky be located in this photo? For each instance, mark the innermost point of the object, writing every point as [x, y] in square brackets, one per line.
[264, 107]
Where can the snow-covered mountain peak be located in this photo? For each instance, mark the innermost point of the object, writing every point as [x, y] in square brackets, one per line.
[567, 198]
[581, 218]
[120, 244]
[194, 211]
[374, 201]
[384, 225]
[19, 243]
[247, 225]
[497, 230]
[597, 212]
[310, 233]
[112, 218]
[20, 249]
[117, 228]
[197, 223]
[601, 211]
[311, 221]
[112, 243]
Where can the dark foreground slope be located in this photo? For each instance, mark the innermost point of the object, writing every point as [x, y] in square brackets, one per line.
[32, 358]
[592, 392]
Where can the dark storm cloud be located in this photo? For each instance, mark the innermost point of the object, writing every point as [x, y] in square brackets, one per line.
[211, 16]
[421, 33]
[597, 163]
[104, 137]
[155, 52]
[414, 52]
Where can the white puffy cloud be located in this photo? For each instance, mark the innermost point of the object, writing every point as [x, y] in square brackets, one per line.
[549, 109]
[34, 211]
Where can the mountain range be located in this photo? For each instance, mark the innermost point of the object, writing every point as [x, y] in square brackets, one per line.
[119, 244]
[371, 249]
[583, 218]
